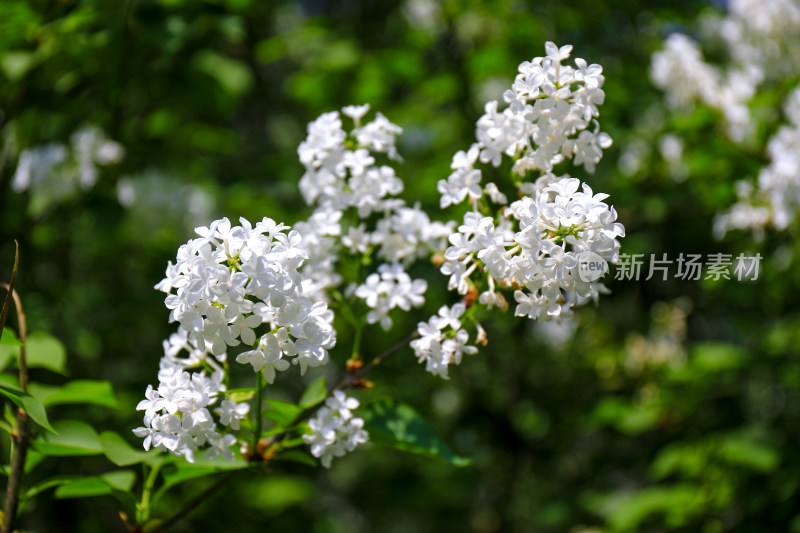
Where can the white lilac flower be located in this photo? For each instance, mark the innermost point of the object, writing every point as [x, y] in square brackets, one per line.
[438, 348]
[341, 170]
[776, 197]
[55, 171]
[177, 417]
[233, 279]
[230, 413]
[387, 289]
[532, 245]
[334, 429]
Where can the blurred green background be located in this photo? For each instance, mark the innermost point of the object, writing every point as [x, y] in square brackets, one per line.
[671, 406]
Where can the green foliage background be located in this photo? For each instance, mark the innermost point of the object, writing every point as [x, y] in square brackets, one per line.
[592, 434]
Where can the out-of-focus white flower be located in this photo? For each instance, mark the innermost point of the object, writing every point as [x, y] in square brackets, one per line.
[334, 429]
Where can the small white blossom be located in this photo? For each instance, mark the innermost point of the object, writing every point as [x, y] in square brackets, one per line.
[334, 429]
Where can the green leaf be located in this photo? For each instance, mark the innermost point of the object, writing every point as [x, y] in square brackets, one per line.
[201, 461]
[180, 472]
[242, 395]
[9, 338]
[314, 393]
[36, 411]
[625, 511]
[45, 351]
[398, 425]
[108, 483]
[233, 76]
[27, 402]
[748, 453]
[74, 438]
[280, 412]
[120, 452]
[81, 392]
[277, 492]
[297, 456]
[15, 64]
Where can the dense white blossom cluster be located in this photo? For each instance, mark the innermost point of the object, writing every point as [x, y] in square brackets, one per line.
[342, 173]
[390, 287]
[233, 279]
[533, 245]
[334, 429]
[551, 106]
[177, 414]
[229, 283]
[267, 287]
[761, 40]
[776, 199]
[442, 340]
[535, 248]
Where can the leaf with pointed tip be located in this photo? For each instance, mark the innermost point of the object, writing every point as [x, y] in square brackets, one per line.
[83, 391]
[74, 438]
[9, 338]
[27, 402]
[398, 425]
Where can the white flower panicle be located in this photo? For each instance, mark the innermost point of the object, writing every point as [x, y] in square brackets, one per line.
[551, 107]
[761, 40]
[234, 279]
[225, 286]
[341, 169]
[343, 175]
[178, 416]
[55, 172]
[539, 257]
[534, 244]
[334, 429]
[776, 198]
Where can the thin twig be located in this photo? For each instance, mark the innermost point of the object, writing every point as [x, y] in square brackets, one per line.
[345, 383]
[9, 288]
[193, 503]
[22, 437]
[352, 377]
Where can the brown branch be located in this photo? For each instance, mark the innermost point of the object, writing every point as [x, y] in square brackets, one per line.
[352, 377]
[9, 288]
[22, 437]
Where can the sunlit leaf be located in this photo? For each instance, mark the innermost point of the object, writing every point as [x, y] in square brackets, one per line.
[9, 338]
[74, 438]
[45, 351]
[121, 480]
[398, 425]
[241, 395]
[83, 392]
[120, 452]
[233, 76]
[27, 402]
[280, 412]
[314, 393]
